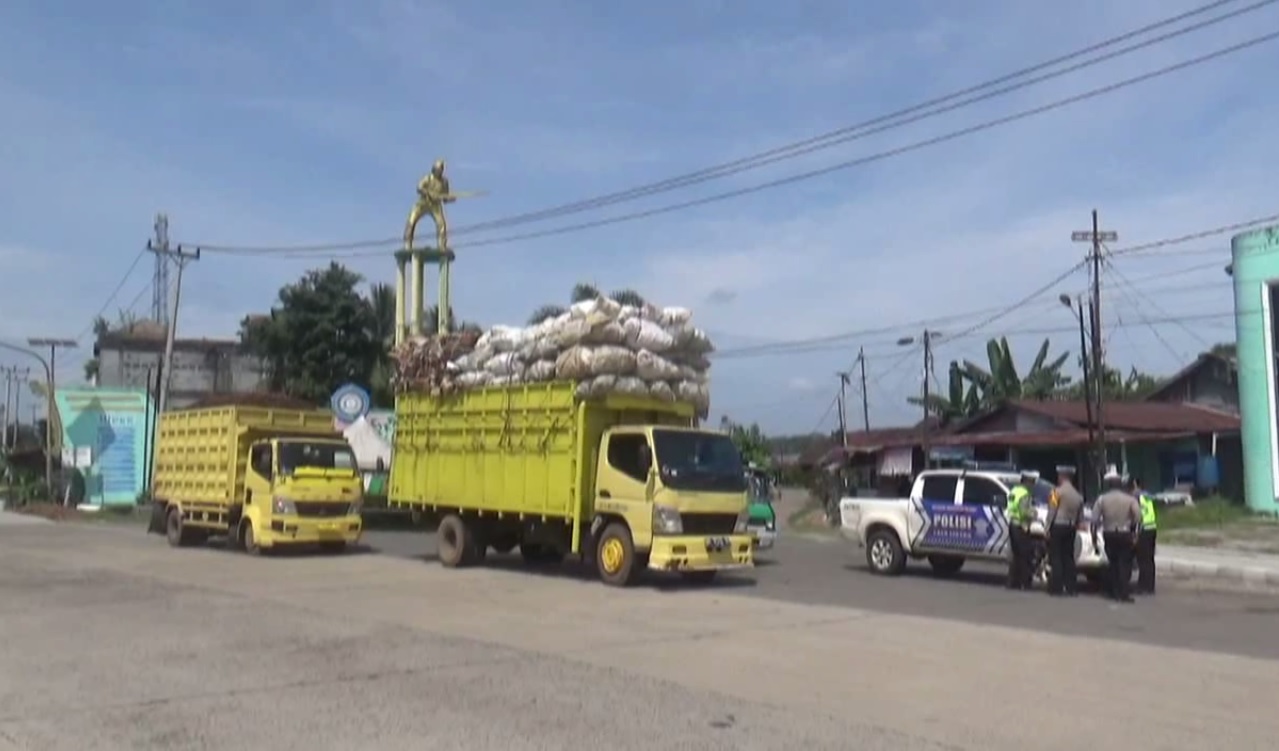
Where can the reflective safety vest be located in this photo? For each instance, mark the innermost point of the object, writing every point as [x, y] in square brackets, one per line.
[1149, 520]
[1018, 501]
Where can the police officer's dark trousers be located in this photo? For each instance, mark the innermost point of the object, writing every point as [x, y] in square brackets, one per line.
[1119, 564]
[1145, 557]
[1064, 578]
[1019, 573]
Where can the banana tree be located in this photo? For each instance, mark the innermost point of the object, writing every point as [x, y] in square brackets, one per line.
[961, 398]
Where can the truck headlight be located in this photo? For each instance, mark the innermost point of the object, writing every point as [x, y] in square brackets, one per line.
[355, 508]
[771, 524]
[282, 505]
[743, 519]
[666, 521]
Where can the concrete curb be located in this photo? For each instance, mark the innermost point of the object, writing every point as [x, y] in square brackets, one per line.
[14, 519]
[1252, 575]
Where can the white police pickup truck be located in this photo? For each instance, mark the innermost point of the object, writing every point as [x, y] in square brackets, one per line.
[952, 515]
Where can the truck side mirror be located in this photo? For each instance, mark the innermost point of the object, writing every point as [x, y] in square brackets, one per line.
[646, 459]
[381, 465]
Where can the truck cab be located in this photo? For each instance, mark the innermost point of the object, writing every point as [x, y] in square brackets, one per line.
[299, 490]
[669, 499]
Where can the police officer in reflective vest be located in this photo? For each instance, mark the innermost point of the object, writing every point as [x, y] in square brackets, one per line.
[1145, 550]
[1020, 512]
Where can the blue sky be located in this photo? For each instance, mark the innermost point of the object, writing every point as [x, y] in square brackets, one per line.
[275, 123]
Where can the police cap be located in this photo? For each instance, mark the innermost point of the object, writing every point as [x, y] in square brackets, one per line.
[1029, 474]
[1065, 469]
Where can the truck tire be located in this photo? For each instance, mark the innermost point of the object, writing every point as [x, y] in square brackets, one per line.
[174, 530]
[884, 554]
[248, 540]
[455, 543]
[615, 556]
[945, 565]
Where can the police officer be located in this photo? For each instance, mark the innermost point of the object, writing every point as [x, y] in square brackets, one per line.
[1020, 511]
[1118, 515]
[1145, 551]
[1063, 521]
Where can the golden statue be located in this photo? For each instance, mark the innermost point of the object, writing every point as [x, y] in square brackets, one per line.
[432, 193]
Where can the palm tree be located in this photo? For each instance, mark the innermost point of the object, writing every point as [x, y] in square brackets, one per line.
[974, 389]
[382, 301]
[628, 297]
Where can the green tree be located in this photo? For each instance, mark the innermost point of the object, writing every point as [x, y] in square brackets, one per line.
[750, 441]
[319, 335]
[1117, 387]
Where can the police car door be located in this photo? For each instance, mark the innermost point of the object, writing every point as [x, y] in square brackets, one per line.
[983, 501]
[934, 506]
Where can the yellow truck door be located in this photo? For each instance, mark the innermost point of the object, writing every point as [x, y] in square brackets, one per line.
[623, 525]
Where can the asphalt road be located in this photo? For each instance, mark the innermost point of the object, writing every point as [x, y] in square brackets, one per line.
[109, 639]
[833, 573]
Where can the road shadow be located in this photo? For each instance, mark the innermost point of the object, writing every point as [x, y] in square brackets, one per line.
[989, 579]
[576, 570]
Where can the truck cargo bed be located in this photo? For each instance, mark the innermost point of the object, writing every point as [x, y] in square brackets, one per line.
[526, 450]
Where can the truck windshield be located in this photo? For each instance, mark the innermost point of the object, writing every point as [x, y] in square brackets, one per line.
[295, 454]
[688, 460]
[761, 488]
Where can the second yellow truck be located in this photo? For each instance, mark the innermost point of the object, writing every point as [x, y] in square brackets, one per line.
[628, 483]
[263, 477]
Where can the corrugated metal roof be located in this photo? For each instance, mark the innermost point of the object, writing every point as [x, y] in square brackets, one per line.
[1138, 416]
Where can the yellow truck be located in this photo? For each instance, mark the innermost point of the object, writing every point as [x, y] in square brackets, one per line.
[262, 477]
[627, 483]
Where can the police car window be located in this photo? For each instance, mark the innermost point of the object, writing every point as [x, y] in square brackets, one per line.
[980, 491]
[940, 488]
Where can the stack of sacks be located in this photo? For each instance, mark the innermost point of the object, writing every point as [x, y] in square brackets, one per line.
[602, 346]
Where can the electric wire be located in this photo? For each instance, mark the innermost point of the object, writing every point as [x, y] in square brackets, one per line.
[304, 251]
[111, 298]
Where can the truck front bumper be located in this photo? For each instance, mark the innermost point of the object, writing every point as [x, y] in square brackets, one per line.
[701, 553]
[764, 537]
[298, 530]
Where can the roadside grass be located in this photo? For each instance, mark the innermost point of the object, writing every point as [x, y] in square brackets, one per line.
[811, 517]
[1216, 522]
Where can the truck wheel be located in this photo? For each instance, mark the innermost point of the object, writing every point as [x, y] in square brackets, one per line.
[945, 565]
[174, 528]
[455, 542]
[615, 556]
[249, 541]
[884, 553]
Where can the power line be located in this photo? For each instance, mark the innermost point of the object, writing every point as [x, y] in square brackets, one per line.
[288, 251]
[111, 298]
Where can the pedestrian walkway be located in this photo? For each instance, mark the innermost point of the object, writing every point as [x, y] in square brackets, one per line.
[1216, 563]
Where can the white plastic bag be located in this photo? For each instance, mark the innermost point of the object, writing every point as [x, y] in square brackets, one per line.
[506, 338]
[575, 363]
[569, 333]
[631, 386]
[541, 371]
[662, 391]
[599, 308]
[595, 387]
[606, 332]
[504, 364]
[691, 340]
[612, 360]
[653, 367]
[694, 393]
[675, 316]
[654, 338]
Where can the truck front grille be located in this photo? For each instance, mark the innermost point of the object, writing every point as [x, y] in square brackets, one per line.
[321, 508]
[708, 524]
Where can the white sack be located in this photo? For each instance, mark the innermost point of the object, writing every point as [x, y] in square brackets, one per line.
[540, 371]
[595, 387]
[612, 360]
[575, 363]
[691, 340]
[631, 386]
[504, 364]
[474, 379]
[569, 333]
[661, 390]
[675, 316]
[652, 367]
[606, 332]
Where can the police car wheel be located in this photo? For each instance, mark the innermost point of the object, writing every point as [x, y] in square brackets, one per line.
[884, 554]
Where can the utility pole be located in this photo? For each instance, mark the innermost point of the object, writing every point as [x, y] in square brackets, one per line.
[182, 257]
[160, 280]
[843, 408]
[15, 377]
[50, 407]
[8, 412]
[861, 360]
[1096, 237]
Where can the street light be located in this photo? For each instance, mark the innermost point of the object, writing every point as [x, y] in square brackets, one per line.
[48, 430]
[49, 407]
[1076, 307]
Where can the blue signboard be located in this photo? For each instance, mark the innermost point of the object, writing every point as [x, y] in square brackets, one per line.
[350, 402]
[972, 529]
[109, 429]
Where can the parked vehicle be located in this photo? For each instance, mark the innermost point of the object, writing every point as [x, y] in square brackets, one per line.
[628, 483]
[951, 516]
[761, 516]
[262, 477]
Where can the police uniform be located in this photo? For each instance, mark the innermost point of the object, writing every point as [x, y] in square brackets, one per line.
[1144, 554]
[1118, 515]
[1020, 512]
[1064, 513]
